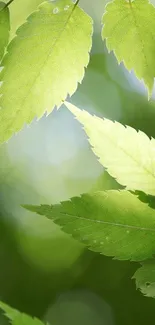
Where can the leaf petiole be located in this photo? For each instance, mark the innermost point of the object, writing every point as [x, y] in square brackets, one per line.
[8, 3]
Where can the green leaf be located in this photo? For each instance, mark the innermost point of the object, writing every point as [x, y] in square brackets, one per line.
[145, 278]
[18, 318]
[4, 28]
[129, 30]
[19, 11]
[44, 63]
[128, 155]
[114, 223]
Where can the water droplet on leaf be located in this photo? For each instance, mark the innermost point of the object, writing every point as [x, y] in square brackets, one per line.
[55, 10]
[66, 7]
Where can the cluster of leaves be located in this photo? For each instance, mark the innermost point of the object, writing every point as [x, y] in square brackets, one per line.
[43, 64]
[118, 223]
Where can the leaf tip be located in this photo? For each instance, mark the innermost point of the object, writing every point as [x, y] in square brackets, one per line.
[72, 108]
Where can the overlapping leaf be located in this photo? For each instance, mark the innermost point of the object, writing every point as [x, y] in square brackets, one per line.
[114, 223]
[129, 30]
[145, 278]
[18, 318]
[4, 28]
[19, 11]
[128, 155]
[44, 63]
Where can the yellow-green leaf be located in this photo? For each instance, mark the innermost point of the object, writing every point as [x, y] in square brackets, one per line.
[129, 30]
[18, 318]
[44, 63]
[19, 11]
[128, 155]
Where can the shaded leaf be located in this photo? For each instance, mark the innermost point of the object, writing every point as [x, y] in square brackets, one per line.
[114, 223]
[145, 278]
[128, 155]
[4, 28]
[129, 30]
[43, 64]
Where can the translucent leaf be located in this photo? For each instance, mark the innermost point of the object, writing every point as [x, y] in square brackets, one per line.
[128, 155]
[145, 278]
[19, 11]
[44, 63]
[4, 28]
[129, 30]
[114, 223]
[18, 318]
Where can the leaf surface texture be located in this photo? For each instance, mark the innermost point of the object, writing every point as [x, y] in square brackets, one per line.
[44, 63]
[114, 223]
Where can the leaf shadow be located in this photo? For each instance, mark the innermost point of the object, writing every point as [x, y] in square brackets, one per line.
[145, 198]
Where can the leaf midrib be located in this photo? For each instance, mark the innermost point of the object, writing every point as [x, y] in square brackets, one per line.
[102, 222]
[45, 61]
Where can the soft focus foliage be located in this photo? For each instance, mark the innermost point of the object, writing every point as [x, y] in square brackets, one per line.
[145, 278]
[43, 269]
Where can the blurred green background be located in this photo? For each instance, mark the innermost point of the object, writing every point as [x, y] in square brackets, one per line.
[44, 272]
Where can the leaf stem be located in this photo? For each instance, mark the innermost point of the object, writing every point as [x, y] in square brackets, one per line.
[8, 3]
[76, 3]
[130, 3]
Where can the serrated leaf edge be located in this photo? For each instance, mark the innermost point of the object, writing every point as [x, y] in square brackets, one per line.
[89, 247]
[123, 61]
[72, 108]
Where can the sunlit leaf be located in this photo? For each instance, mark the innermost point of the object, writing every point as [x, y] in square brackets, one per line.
[4, 28]
[19, 11]
[128, 155]
[44, 63]
[129, 30]
[114, 223]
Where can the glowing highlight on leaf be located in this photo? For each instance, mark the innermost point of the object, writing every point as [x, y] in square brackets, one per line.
[128, 155]
[44, 64]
